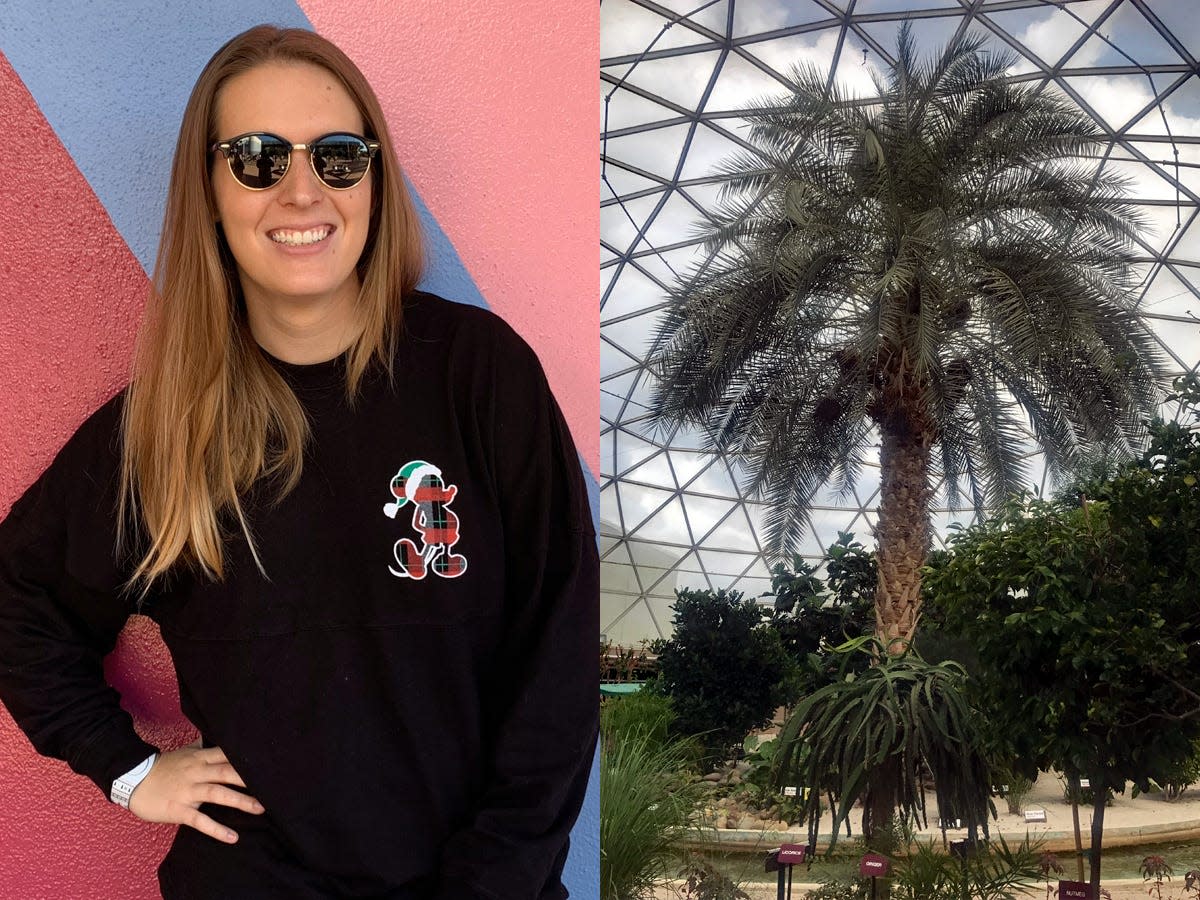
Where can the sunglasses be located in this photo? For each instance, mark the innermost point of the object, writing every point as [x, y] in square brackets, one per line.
[259, 160]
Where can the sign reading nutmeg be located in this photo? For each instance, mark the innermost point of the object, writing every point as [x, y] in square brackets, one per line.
[1075, 890]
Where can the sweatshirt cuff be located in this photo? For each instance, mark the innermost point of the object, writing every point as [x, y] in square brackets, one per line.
[111, 754]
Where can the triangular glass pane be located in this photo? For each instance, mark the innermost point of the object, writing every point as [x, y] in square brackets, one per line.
[783, 54]
[638, 504]
[632, 452]
[706, 196]
[630, 625]
[704, 513]
[724, 566]
[1182, 342]
[675, 221]
[1115, 100]
[697, 581]
[665, 525]
[626, 109]
[714, 480]
[655, 556]
[626, 28]
[733, 534]
[619, 222]
[855, 67]
[688, 464]
[759, 18]
[1144, 182]
[656, 151]
[709, 150]
[1130, 30]
[610, 510]
[712, 16]
[614, 360]
[1167, 295]
[617, 183]
[654, 471]
[680, 80]
[742, 84]
[632, 335]
[1047, 34]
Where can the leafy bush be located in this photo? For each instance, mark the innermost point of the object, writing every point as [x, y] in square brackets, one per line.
[812, 617]
[724, 670]
[647, 803]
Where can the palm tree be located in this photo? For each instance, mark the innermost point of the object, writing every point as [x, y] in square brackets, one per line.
[937, 269]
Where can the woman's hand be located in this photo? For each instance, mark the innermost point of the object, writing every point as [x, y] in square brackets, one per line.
[181, 780]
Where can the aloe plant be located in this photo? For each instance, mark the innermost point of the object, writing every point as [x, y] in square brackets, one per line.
[871, 735]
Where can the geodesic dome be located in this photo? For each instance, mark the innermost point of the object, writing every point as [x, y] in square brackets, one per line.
[674, 76]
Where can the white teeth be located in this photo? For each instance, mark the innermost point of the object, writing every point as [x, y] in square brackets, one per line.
[298, 238]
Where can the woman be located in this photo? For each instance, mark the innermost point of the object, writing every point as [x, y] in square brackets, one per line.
[354, 511]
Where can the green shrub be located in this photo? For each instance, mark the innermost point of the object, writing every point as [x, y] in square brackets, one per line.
[725, 671]
[647, 802]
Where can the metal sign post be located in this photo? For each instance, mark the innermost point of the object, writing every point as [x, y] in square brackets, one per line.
[873, 866]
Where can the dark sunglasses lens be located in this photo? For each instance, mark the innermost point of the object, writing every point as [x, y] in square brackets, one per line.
[259, 160]
[341, 160]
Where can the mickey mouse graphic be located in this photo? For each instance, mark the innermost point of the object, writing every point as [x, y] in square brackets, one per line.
[421, 484]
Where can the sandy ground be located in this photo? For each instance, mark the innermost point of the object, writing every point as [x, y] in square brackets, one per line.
[1128, 821]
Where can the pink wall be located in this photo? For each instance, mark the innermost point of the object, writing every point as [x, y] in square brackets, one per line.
[515, 187]
[514, 191]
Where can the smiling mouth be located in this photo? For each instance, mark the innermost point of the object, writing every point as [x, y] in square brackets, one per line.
[300, 238]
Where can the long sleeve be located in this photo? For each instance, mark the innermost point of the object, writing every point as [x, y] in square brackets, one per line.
[61, 609]
[546, 714]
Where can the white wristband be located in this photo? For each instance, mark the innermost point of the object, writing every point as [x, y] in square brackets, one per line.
[123, 785]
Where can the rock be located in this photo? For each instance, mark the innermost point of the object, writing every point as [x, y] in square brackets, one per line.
[713, 777]
[735, 777]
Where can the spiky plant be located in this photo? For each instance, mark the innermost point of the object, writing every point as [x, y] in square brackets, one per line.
[933, 270]
[873, 735]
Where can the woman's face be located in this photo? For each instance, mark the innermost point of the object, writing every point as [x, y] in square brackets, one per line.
[287, 274]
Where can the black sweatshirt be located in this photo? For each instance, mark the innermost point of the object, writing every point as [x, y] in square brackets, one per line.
[411, 691]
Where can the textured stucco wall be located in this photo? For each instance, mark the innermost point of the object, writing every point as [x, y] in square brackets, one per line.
[492, 106]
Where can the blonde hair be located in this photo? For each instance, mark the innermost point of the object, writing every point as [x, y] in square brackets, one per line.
[206, 415]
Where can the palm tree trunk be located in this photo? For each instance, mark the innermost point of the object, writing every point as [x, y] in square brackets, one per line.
[903, 532]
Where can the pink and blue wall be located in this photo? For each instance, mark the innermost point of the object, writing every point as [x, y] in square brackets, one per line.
[492, 106]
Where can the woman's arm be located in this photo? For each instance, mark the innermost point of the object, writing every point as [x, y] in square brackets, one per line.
[61, 609]
[62, 605]
[546, 704]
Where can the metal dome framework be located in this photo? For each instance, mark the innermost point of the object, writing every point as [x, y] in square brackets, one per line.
[674, 76]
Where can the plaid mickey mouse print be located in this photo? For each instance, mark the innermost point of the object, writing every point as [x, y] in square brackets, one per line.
[422, 484]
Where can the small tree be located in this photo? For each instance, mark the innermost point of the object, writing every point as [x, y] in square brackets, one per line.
[724, 669]
[1084, 620]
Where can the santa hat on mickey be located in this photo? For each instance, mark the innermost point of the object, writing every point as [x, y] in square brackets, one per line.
[406, 482]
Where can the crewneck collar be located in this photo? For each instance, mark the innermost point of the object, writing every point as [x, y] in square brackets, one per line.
[311, 375]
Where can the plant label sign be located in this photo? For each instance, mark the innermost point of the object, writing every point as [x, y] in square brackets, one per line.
[872, 865]
[1035, 815]
[791, 854]
[1075, 890]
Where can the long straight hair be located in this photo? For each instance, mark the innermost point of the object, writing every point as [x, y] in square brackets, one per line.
[206, 415]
